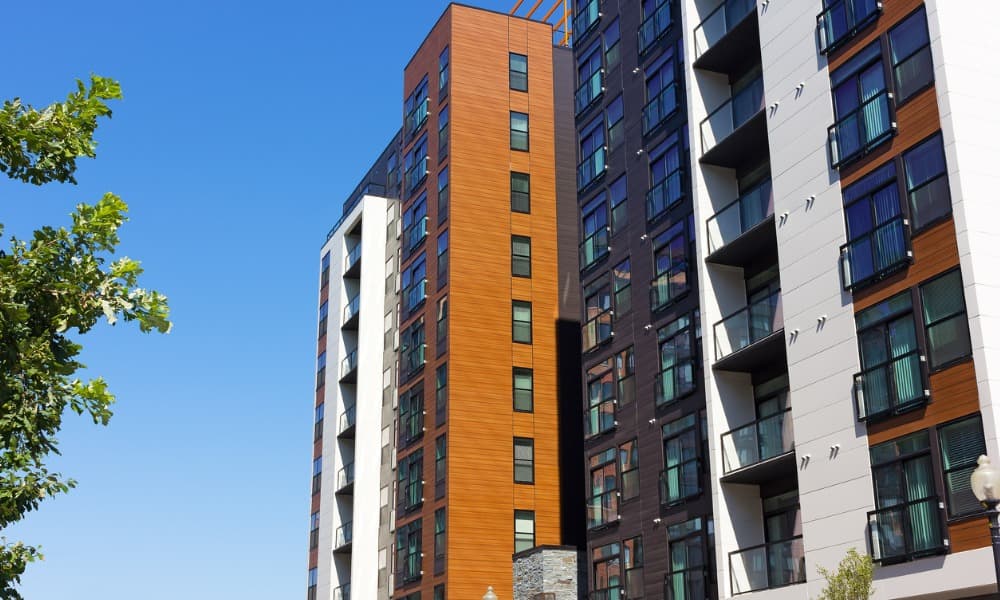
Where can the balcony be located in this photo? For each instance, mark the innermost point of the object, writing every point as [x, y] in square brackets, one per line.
[674, 382]
[743, 231]
[417, 117]
[877, 254]
[892, 388]
[349, 367]
[345, 479]
[592, 168]
[668, 286]
[602, 509]
[600, 418]
[759, 452]
[414, 296]
[862, 130]
[586, 19]
[595, 247]
[660, 108]
[416, 175]
[664, 194]
[597, 330]
[342, 538]
[347, 423]
[655, 26]
[686, 584]
[413, 361]
[343, 592]
[843, 19]
[751, 337]
[414, 235]
[767, 566]
[589, 91]
[727, 37]
[680, 482]
[736, 132]
[352, 264]
[906, 531]
[351, 312]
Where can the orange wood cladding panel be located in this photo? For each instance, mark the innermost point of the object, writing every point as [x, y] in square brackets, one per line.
[969, 534]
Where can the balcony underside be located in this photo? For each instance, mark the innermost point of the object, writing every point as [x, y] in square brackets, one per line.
[346, 490]
[762, 353]
[350, 376]
[343, 549]
[772, 469]
[759, 244]
[746, 145]
[354, 270]
[736, 50]
[352, 322]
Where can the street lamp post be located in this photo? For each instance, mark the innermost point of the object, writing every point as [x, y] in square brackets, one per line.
[986, 487]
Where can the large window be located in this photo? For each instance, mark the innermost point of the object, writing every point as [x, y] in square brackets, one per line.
[520, 192]
[442, 259]
[417, 108]
[891, 380]
[927, 182]
[689, 552]
[518, 131]
[910, 55]
[443, 71]
[615, 116]
[521, 322]
[593, 154]
[524, 384]
[618, 192]
[518, 72]
[625, 376]
[414, 285]
[601, 410]
[444, 194]
[411, 480]
[842, 19]
[676, 351]
[612, 47]
[602, 504]
[628, 469]
[621, 284]
[961, 445]
[524, 530]
[441, 394]
[439, 540]
[596, 236]
[408, 551]
[412, 349]
[597, 326]
[661, 92]
[524, 460]
[321, 369]
[318, 423]
[877, 235]
[670, 265]
[414, 225]
[589, 77]
[520, 256]
[665, 188]
[440, 465]
[443, 133]
[607, 568]
[324, 275]
[411, 415]
[416, 165]
[656, 20]
[324, 313]
[945, 320]
[682, 450]
[317, 474]
[314, 530]
[861, 105]
[313, 581]
[442, 326]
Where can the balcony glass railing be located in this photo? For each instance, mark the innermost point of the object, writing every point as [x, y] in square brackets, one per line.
[733, 113]
[586, 18]
[343, 535]
[659, 108]
[891, 388]
[666, 287]
[416, 174]
[674, 382]
[875, 254]
[720, 22]
[597, 330]
[589, 91]
[343, 592]
[352, 308]
[592, 167]
[768, 566]
[353, 256]
[415, 234]
[748, 325]
[680, 482]
[664, 194]
[842, 19]
[655, 26]
[758, 441]
[600, 418]
[414, 295]
[415, 359]
[859, 131]
[418, 116]
[348, 419]
[685, 584]
[594, 247]
[345, 476]
[907, 530]
[349, 364]
[602, 509]
[740, 216]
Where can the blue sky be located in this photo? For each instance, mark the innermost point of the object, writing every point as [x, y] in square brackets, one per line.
[244, 126]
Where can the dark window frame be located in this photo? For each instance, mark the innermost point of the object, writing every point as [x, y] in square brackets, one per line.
[530, 373]
[524, 463]
[520, 264]
[522, 304]
[515, 75]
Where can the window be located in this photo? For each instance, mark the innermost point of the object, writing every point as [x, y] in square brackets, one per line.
[440, 465]
[861, 105]
[324, 277]
[524, 530]
[392, 173]
[414, 285]
[443, 71]
[439, 541]
[411, 415]
[416, 165]
[518, 72]
[415, 225]
[681, 477]
[618, 193]
[524, 460]
[961, 444]
[408, 550]
[625, 374]
[595, 244]
[628, 469]
[442, 133]
[891, 380]
[442, 325]
[313, 580]
[593, 154]
[633, 567]
[441, 394]
[412, 349]
[843, 19]
[616, 124]
[590, 75]
[317, 474]
[612, 50]
[321, 370]
[442, 259]
[656, 20]
[906, 522]
[876, 230]
[318, 423]
[523, 389]
[910, 54]
[520, 256]
[621, 283]
[444, 194]
[664, 177]
[607, 568]
[324, 311]
[601, 413]
[518, 131]
[690, 550]
[522, 322]
[661, 93]
[439, 592]
[945, 321]
[314, 530]
[417, 108]
[927, 182]
[410, 473]
[597, 326]
[520, 192]
[676, 350]
[669, 266]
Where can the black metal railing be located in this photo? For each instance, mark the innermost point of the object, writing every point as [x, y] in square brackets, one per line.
[602, 509]
[349, 364]
[347, 419]
[585, 19]
[600, 418]
[680, 482]
[345, 476]
[891, 387]
[907, 530]
[589, 91]
[872, 256]
[592, 167]
[861, 130]
[843, 19]
[674, 382]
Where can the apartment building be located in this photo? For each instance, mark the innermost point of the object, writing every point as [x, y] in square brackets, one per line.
[353, 440]
[803, 184]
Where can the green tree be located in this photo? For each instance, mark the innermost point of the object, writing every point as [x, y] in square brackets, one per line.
[54, 288]
[851, 581]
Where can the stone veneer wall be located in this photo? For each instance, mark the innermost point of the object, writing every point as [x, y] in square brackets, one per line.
[549, 573]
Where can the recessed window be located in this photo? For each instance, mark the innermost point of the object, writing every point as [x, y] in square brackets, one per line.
[961, 446]
[317, 474]
[321, 370]
[324, 311]
[443, 71]
[440, 465]
[415, 225]
[442, 133]
[313, 580]
[318, 424]
[408, 551]
[524, 460]
[861, 104]
[665, 189]
[518, 72]
[602, 502]
[441, 395]
[442, 259]
[597, 326]
[621, 280]
[615, 116]
[524, 384]
[439, 541]
[596, 238]
[324, 277]
[682, 452]
[524, 530]
[414, 285]
[522, 322]
[411, 415]
[612, 49]
[412, 349]
[927, 182]
[594, 154]
[442, 325]
[444, 194]
[945, 320]
[892, 380]
[410, 488]
[910, 54]
[518, 131]
[625, 376]
[520, 256]
[520, 192]
[670, 250]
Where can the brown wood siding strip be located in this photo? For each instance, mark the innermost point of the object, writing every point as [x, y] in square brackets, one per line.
[969, 534]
